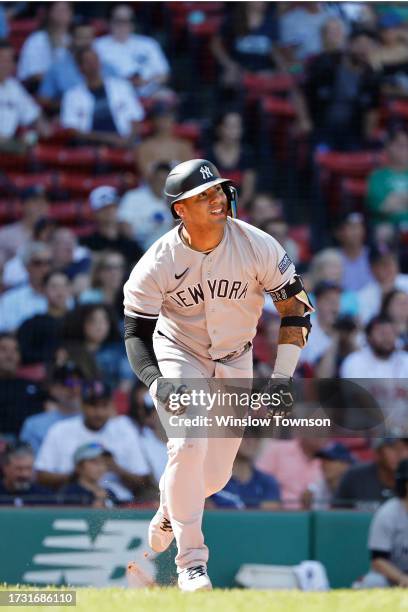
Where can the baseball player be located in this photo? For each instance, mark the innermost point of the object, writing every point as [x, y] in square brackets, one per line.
[192, 305]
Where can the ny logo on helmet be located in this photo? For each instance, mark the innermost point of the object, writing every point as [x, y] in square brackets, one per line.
[206, 172]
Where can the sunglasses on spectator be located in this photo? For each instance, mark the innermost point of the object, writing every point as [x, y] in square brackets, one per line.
[40, 262]
[120, 20]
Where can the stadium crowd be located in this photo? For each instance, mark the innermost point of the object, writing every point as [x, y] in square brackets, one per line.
[304, 106]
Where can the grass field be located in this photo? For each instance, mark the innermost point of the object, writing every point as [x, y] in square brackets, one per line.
[172, 600]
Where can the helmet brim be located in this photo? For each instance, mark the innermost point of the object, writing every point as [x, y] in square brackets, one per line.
[199, 189]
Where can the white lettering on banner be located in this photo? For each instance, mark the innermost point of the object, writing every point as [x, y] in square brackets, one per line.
[93, 562]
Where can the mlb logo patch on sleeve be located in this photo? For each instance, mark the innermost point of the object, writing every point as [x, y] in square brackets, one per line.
[284, 263]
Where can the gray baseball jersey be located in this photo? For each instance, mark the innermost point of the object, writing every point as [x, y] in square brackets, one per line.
[208, 303]
[389, 532]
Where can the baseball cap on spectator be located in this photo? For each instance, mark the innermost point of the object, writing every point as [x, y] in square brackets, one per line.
[350, 217]
[65, 373]
[103, 196]
[91, 450]
[35, 191]
[379, 251]
[95, 391]
[324, 287]
[335, 451]
[390, 19]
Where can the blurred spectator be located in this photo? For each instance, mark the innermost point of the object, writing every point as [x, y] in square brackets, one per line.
[144, 212]
[71, 259]
[41, 335]
[64, 402]
[391, 58]
[19, 397]
[327, 266]
[67, 255]
[327, 297]
[107, 280]
[16, 235]
[64, 73]
[350, 234]
[248, 486]
[266, 342]
[246, 42]
[341, 96]
[231, 156]
[300, 27]
[105, 111]
[333, 35]
[386, 277]
[43, 47]
[91, 339]
[263, 207]
[17, 486]
[153, 438]
[395, 307]
[162, 146]
[279, 229]
[18, 109]
[126, 469]
[27, 300]
[108, 234]
[366, 486]
[84, 488]
[387, 540]
[387, 194]
[335, 460]
[344, 340]
[294, 465]
[380, 358]
[133, 56]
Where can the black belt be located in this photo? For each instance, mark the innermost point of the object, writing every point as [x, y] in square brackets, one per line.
[234, 354]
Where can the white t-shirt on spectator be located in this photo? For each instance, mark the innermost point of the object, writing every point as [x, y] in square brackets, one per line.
[19, 304]
[365, 364]
[78, 106]
[140, 55]
[37, 55]
[149, 215]
[370, 297]
[387, 383]
[17, 107]
[118, 436]
[155, 452]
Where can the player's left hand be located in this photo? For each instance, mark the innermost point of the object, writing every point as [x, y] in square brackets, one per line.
[283, 396]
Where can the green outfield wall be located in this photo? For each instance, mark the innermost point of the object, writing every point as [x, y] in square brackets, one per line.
[92, 547]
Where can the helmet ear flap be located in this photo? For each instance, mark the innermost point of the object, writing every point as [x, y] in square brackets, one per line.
[232, 197]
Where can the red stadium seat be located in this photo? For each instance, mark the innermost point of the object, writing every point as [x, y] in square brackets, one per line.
[4, 212]
[55, 156]
[65, 212]
[117, 158]
[354, 191]
[190, 130]
[73, 183]
[301, 235]
[278, 107]
[22, 181]
[16, 163]
[258, 85]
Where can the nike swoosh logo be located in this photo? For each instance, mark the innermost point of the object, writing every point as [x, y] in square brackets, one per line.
[177, 276]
